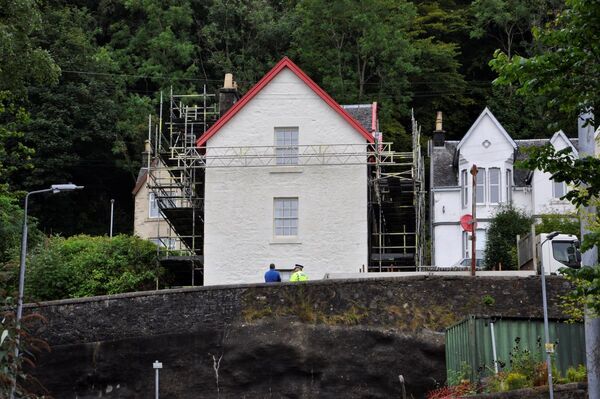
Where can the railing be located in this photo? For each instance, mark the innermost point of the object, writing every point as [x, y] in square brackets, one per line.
[300, 155]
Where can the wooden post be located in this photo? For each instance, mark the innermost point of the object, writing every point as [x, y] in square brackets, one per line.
[474, 221]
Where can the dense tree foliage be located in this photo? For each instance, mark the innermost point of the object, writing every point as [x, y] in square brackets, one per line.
[501, 246]
[79, 78]
[565, 68]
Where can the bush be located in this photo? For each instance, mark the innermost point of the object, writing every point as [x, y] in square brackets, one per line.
[502, 233]
[82, 266]
[578, 374]
[516, 381]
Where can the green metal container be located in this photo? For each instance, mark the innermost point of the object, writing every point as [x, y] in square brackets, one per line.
[470, 343]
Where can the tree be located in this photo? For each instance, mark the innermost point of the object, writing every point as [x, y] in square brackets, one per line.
[381, 51]
[246, 37]
[564, 223]
[568, 46]
[23, 60]
[501, 245]
[509, 22]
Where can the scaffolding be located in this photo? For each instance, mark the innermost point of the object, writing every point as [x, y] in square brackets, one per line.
[176, 180]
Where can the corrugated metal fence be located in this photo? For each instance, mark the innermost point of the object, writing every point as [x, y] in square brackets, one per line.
[470, 342]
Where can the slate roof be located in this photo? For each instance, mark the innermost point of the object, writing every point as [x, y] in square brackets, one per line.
[445, 173]
[362, 113]
[442, 162]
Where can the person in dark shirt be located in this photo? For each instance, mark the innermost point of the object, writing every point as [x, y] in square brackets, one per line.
[272, 275]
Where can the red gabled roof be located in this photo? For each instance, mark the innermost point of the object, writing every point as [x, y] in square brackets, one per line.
[284, 63]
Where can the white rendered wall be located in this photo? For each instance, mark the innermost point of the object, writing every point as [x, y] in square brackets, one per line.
[497, 154]
[448, 245]
[239, 240]
[542, 194]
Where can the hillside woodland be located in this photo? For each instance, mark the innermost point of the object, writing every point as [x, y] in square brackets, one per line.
[79, 78]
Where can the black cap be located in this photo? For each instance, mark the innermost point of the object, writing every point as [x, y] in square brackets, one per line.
[300, 266]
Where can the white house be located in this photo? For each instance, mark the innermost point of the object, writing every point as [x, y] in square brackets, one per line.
[499, 181]
[296, 207]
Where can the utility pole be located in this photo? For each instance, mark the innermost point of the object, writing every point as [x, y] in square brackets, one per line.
[587, 147]
[474, 220]
[112, 214]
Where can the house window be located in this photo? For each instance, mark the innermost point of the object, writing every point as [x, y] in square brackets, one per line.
[164, 242]
[509, 183]
[464, 190]
[480, 195]
[153, 209]
[559, 189]
[286, 145]
[286, 216]
[494, 185]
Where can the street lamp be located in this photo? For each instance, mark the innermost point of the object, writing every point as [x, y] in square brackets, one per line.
[54, 189]
[548, 346]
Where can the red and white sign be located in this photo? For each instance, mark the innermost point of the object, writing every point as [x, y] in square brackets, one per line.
[466, 222]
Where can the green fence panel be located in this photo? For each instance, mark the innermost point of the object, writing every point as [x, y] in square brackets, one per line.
[469, 343]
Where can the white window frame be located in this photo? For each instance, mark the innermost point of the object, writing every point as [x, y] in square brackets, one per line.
[153, 208]
[285, 216]
[509, 185]
[286, 145]
[464, 187]
[556, 184]
[481, 187]
[164, 242]
[498, 185]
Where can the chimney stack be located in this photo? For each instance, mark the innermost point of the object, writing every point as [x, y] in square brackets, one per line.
[438, 133]
[146, 154]
[228, 94]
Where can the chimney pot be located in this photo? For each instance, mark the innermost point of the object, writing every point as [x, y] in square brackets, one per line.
[438, 122]
[228, 94]
[228, 83]
[438, 134]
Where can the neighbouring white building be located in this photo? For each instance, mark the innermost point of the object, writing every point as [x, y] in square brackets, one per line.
[298, 208]
[499, 181]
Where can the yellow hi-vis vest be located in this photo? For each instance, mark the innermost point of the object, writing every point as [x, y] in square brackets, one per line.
[299, 276]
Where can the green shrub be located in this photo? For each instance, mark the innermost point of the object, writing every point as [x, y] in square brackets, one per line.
[502, 232]
[488, 300]
[82, 266]
[516, 380]
[578, 374]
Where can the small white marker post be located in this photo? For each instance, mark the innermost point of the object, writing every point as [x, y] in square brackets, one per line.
[157, 366]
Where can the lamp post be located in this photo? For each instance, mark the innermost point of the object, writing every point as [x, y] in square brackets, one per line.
[112, 215]
[54, 189]
[549, 348]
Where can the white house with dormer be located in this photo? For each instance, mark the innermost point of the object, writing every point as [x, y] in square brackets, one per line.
[489, 146]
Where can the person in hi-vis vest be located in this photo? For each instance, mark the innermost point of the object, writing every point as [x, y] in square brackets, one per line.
[298, 274]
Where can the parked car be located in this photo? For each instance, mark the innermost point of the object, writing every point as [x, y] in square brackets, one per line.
[466, 262]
